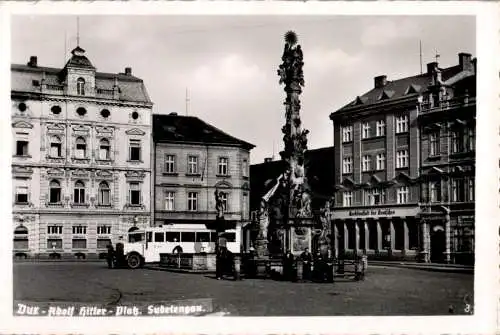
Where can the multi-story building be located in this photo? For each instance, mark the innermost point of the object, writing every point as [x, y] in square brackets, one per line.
[382, 142]
[193, 160]
[81, 157]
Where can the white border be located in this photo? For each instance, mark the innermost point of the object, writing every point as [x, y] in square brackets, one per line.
[487, 260]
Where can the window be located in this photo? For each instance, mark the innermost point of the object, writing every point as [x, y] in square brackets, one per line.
[80, 86]
[366, 130]
[401, 159]
[203, 236]
[54, 192]
[192, 165]
[169, 163]
[55, 146]
[457, 190]
[401, 124]
[435, 191]
[79, 243]
[470, 189]
[135, 150]
[374, 196]
[104, 149]
[172, 236]
[347, 134]
[54, 243]
[456, 141]
[135, 194]
[56, 110]
[135, 115]
[366, 163]
[347, 198]
[79, 193]
[380, 128]
[224, 199]
[81, 148]
[79, 230]
[230, 237]
[402, 195]
[104, 194]
[22, 107]
[105, 113]
[169, 201]
[188, 236]
[102, 243]
[244, 168]
[192, 201]
[381, 161]
[471, 139]
[434, 144]
[54, 230]
[21, 148]
[22, 194]
[222, 166]
[81, 111]
[159, 237]
[103, 230]
[347, 165]
[21, 238]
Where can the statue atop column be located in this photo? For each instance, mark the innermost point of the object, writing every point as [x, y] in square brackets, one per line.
[219, 205]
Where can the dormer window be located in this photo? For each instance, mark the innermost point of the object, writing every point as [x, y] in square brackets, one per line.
[80, 86]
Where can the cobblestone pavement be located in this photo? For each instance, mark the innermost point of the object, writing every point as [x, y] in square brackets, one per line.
[385, 291]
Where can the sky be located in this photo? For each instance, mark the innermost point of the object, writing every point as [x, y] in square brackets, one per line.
[228, 64]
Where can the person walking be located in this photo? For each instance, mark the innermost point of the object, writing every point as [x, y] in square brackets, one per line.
[288, 263]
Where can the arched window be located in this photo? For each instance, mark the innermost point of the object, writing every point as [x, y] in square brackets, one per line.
[55, 192]
[21, 238]
[80, 86]
[104, 194]
[55, 146]
[81, 148]
[104, 149]
[79, 194]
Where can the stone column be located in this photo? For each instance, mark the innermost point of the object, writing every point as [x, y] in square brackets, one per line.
[447, 230]
[367, 235]
[346, 236]
[392, 233]
[406, 245]
[379, 236]
[336, 239]
[425, 242]
[356, 231]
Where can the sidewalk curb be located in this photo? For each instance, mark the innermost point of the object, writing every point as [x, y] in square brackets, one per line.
[158, 268]
[433, 268]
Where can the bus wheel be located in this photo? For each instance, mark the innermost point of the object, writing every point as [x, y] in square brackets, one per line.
[134, 261]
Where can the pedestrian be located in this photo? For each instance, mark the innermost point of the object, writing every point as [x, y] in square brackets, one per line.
[219, 263]
[288, 265]
[307, 259]
[119, 255]
[110, 255]
[319, 268]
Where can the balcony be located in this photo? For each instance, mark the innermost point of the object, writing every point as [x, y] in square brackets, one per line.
[442, 105]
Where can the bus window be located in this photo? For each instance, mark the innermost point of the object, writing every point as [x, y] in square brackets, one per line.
[159, 237]
[203, 237]
[149, 236]
[173, 236]
[135, 237]
[213, 236]
[231, 237]
[187, 236]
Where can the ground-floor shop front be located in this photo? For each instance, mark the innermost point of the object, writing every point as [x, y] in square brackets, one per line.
[404, 233]
[71, 235]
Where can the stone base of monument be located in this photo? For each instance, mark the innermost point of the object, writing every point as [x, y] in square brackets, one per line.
[261, 266]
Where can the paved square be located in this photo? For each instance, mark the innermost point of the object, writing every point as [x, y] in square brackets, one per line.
[385, 291]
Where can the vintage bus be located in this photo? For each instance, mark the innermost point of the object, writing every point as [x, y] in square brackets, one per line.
[145, 246]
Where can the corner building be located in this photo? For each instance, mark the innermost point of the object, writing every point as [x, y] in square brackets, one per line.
[192, 159]
[385, 178]
[81, 157]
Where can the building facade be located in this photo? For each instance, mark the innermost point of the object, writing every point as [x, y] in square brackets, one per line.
[193, 160]
[382, 143]
[81, 157]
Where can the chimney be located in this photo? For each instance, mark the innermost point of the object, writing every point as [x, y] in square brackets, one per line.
[465, 61]
[380, 81]
[33, 61]
[268, 160]
[431, 67]
[128, 71]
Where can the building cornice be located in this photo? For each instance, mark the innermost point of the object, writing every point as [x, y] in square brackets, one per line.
[203, 145]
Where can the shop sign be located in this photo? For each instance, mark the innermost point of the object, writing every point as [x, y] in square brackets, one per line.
[365, 213]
